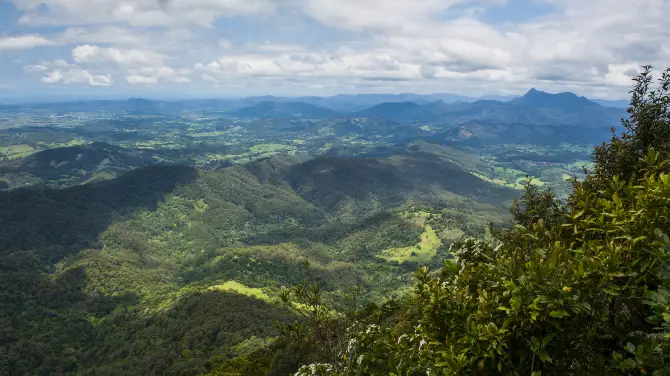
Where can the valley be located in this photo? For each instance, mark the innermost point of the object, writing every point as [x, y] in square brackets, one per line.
[138, 237]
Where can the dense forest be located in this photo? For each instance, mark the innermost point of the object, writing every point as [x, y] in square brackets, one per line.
[580, 287]
[173, 270]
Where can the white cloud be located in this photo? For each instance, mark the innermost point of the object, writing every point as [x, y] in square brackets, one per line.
[88, 54]
[61, 72]
[76, 76]
[23, 42]
[395, 45]
[49, 65]
[136, 79]
[152, 75]
[105, 34]
[136, 12]
[400, 16]
[225, 44]
[139, 67]
[313, 65]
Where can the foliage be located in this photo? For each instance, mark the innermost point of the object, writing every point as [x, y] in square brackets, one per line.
[180, 271]
[647, 127]
[575, 289]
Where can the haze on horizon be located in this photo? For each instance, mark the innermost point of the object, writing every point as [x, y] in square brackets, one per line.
[74, 49]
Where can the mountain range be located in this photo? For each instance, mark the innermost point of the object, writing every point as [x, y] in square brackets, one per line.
[535, 107]
[345, 103]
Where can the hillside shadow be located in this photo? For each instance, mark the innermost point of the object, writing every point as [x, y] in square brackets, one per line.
[330, 183]
[54, 223]
[51, 331]
[203, 322]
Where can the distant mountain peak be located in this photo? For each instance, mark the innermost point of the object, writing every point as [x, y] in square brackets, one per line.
[544, 99]
[533, 92]
[269, 109]
[438, 105]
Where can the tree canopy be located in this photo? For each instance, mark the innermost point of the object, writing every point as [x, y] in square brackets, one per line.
[574, 288]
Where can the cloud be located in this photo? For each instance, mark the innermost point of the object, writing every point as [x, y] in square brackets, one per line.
[76, 76]
[135, 79]
[104, 34]
[23, 42]
[464, 46]
[583, 41]
[152, 75]
[61, 72]
[88, 54]
[400, 16]
[314, 65]
[49, 65]
[225, 44]
[136, 12]
[139, 67]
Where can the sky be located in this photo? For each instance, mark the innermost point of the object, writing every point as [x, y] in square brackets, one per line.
[79, 49]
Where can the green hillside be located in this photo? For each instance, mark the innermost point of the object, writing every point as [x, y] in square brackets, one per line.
[266, 236]
[574, 287]
[173, 270]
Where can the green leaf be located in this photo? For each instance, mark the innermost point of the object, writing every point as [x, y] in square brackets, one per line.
[533, 315]
[639, 239]
[515, 302]
[544, 356]
[610, 292]
[548, 338]
[630, 347]
[534, 305]
[559, 314]
[628, 364]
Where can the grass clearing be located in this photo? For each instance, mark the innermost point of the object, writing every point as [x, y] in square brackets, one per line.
[518, 183]
[270, 148]
[208, 134]
[16, 151]
[241, 289]
[422, 252]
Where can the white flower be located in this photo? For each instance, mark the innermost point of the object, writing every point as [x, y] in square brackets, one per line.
[371, 328]
[351, 344]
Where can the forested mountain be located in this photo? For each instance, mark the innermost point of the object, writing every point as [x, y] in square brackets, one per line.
[579, 287]
[75, 164]
[255, 236]
[173, 270]
[343, 103]
[284, 110]
[534, 108]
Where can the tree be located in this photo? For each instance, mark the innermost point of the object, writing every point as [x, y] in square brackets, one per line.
[575, 289]
[648, 127]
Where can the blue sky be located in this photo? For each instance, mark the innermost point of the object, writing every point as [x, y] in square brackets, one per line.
[73, 49]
